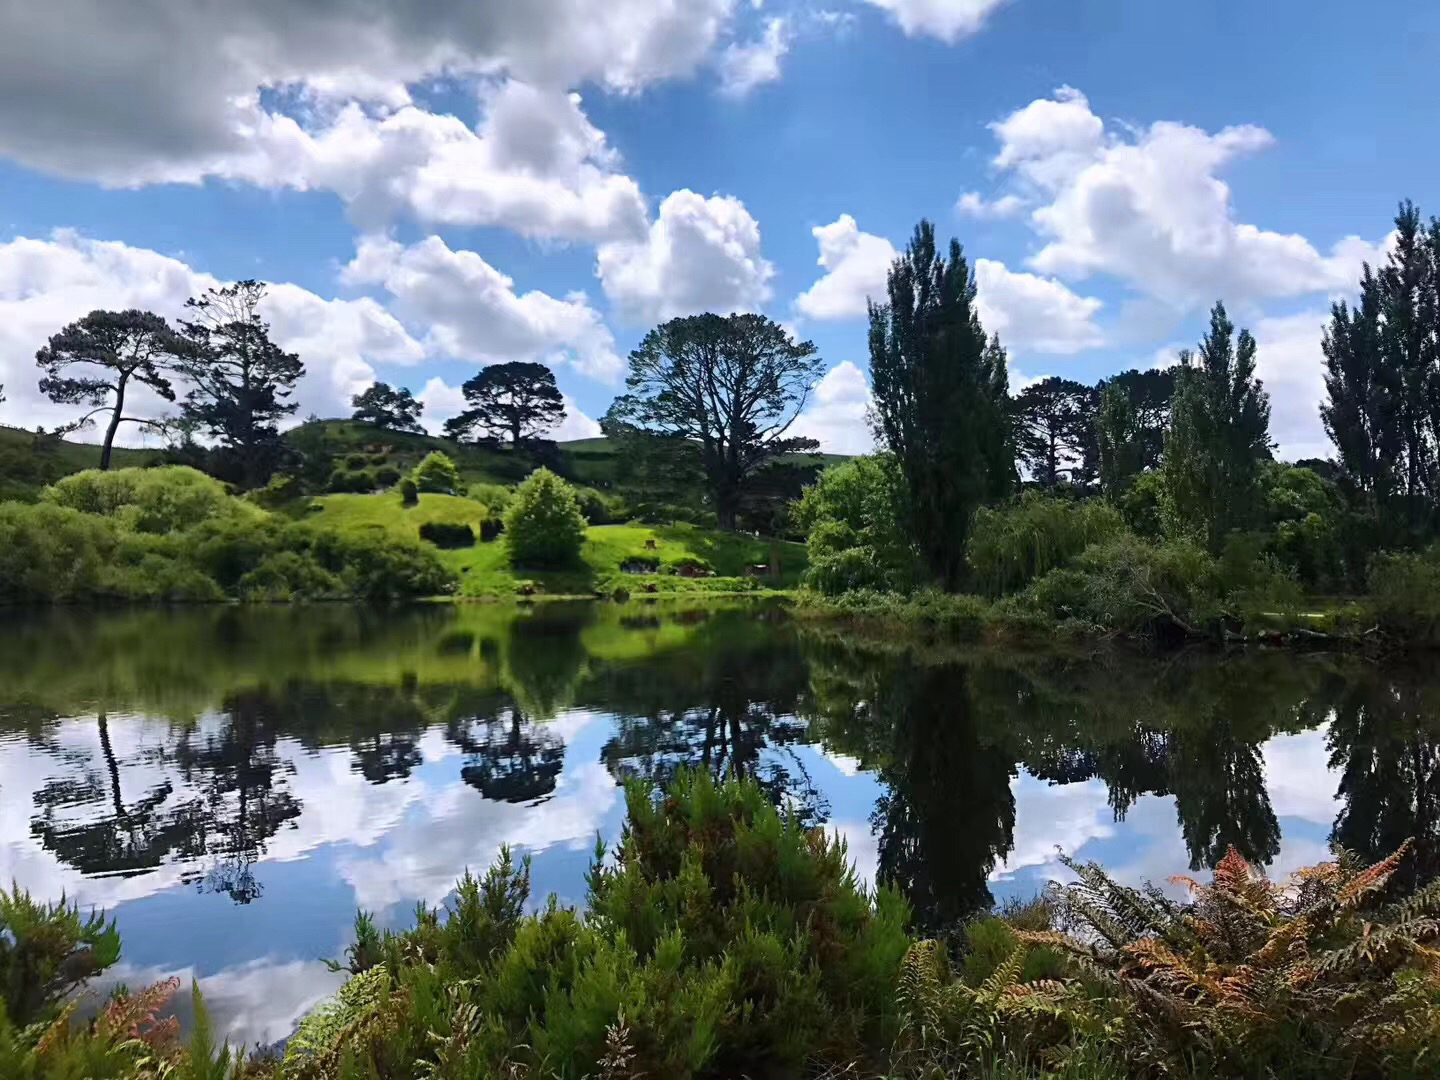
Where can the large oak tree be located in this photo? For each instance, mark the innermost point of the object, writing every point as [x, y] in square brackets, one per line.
[728, 388]
[95, 360]
[385, 407]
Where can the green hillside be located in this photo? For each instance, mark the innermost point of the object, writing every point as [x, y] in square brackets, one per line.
[29, 462]
[485, 571]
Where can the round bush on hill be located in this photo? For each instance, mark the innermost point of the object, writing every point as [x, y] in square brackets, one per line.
[543, 524]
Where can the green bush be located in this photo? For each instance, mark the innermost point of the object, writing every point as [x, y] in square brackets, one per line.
[287, 576]
[851, 516]
[387, 476]
[1140, 505]
[445, 535]
[46, 951]
[595, 506]
[544, 526]
[351, 482]
[53, 554]
[283, 488]
[356, 462]
[409, 493]
[494, 497]
[852, 569]
[149, 500]
[436, 473]
[1010, 546]
[1405, 594]
[687, 562]
[640, 563]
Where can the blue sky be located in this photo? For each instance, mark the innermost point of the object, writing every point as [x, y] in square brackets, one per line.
[449, 184]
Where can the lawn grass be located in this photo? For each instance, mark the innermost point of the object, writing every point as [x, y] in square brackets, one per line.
[485, 570]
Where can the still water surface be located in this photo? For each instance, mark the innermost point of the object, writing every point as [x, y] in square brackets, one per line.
[232, 784]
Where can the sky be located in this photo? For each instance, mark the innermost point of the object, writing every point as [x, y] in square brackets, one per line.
[430, 186]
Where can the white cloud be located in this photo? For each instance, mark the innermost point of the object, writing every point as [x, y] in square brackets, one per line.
[1149, 208]
[47, 283]
[442, 401]
[836, 415]
[973, 204]
[701, 254]
[742, 67]
[1033, 313]
[473, 312]
[1289, 362]
[948, 20]
[856, 265]
[173, 84]
[534, 164]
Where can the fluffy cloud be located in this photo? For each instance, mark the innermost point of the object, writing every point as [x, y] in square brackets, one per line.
[46, 283]
[701, 254]
[1029, 312]
[948, 20]
[172, 81]
[973, 204]
[742, 67]
[442, 401]
[473, 312]
[1150, 209]
[856, 264]
[1032, 313]
[836, 416]
[1289, 362]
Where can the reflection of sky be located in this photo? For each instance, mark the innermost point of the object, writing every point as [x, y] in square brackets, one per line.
[382, 848]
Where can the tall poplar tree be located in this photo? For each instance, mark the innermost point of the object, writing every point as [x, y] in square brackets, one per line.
[941, 393]
[1219, 436]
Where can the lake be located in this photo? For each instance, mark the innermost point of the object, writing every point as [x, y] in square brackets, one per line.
[231, 784]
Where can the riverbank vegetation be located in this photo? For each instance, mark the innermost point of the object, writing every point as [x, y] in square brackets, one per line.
[723, 938]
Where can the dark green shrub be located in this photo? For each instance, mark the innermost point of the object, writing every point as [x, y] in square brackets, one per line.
[377, 567]
[437, 473]
[1012, 545]
[409, 493]
[356, 462]
[387, 476]
[353, 483]
[490, 528]
[494, 497]
[544, 526]
[595, 506]
[283, 488]
[852, 518]
[1140, 505]
[379, 458]
[689, 565]
[856, 568]
[1405, 594]
[46, 951]
[640, 563]
[445, 535]
[287, 576]
[53, 554]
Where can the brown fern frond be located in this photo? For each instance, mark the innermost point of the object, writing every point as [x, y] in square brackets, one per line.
[1373, 879]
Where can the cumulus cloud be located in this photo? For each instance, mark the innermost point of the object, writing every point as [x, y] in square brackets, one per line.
[1289, 362]
[836, 415]
[1032, 313]
[948, 20]
[700, 254]
[172, 82]
[47, 283]
[744, 66]
[973, 204]
[473, 312]
[856, 264]
[1149, 208]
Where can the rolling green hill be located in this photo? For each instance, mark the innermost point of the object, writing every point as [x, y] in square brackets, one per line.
[28, 462]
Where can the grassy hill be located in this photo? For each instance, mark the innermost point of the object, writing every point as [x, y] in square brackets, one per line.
[28, 463]
[485, 571]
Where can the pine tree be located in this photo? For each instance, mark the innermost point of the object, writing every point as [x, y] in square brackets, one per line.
[1218, 438]
[941, 393]
[1053, 418]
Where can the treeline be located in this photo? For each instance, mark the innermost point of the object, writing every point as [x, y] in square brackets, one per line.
[1157, 504]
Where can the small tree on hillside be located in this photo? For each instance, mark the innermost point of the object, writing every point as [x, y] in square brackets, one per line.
[942, 403]
[437, 474]
[543, 523]
[725, 388]
[1053, 419]
[518, 400]
[385, 407]
[95, 360]
[1219, 436]
[242, 380]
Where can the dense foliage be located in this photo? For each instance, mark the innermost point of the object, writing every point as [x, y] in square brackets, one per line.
[385, 407]
[853, 517]
[543, 523]
[173, 534]
[437, 473]
[518, 400]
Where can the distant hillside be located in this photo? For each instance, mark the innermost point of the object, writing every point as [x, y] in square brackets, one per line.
[28, 463]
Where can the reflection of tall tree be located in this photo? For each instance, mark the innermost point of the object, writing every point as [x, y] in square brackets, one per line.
[1220, 796]
[125, 837]
[949, 813]
[544, 658]
[510, 757]
[729, 709]
[1385, 740]
[241, 778]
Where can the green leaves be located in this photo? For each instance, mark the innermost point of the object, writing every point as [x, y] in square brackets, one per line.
[543, 523]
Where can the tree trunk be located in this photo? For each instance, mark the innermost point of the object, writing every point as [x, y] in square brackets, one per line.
[114, 422]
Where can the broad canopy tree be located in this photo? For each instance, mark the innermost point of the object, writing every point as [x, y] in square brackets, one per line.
[241, 380]
[385, 407]
[96, 360]
[518, 400]
[942, 403]
[728, 387]
[1054, 419]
